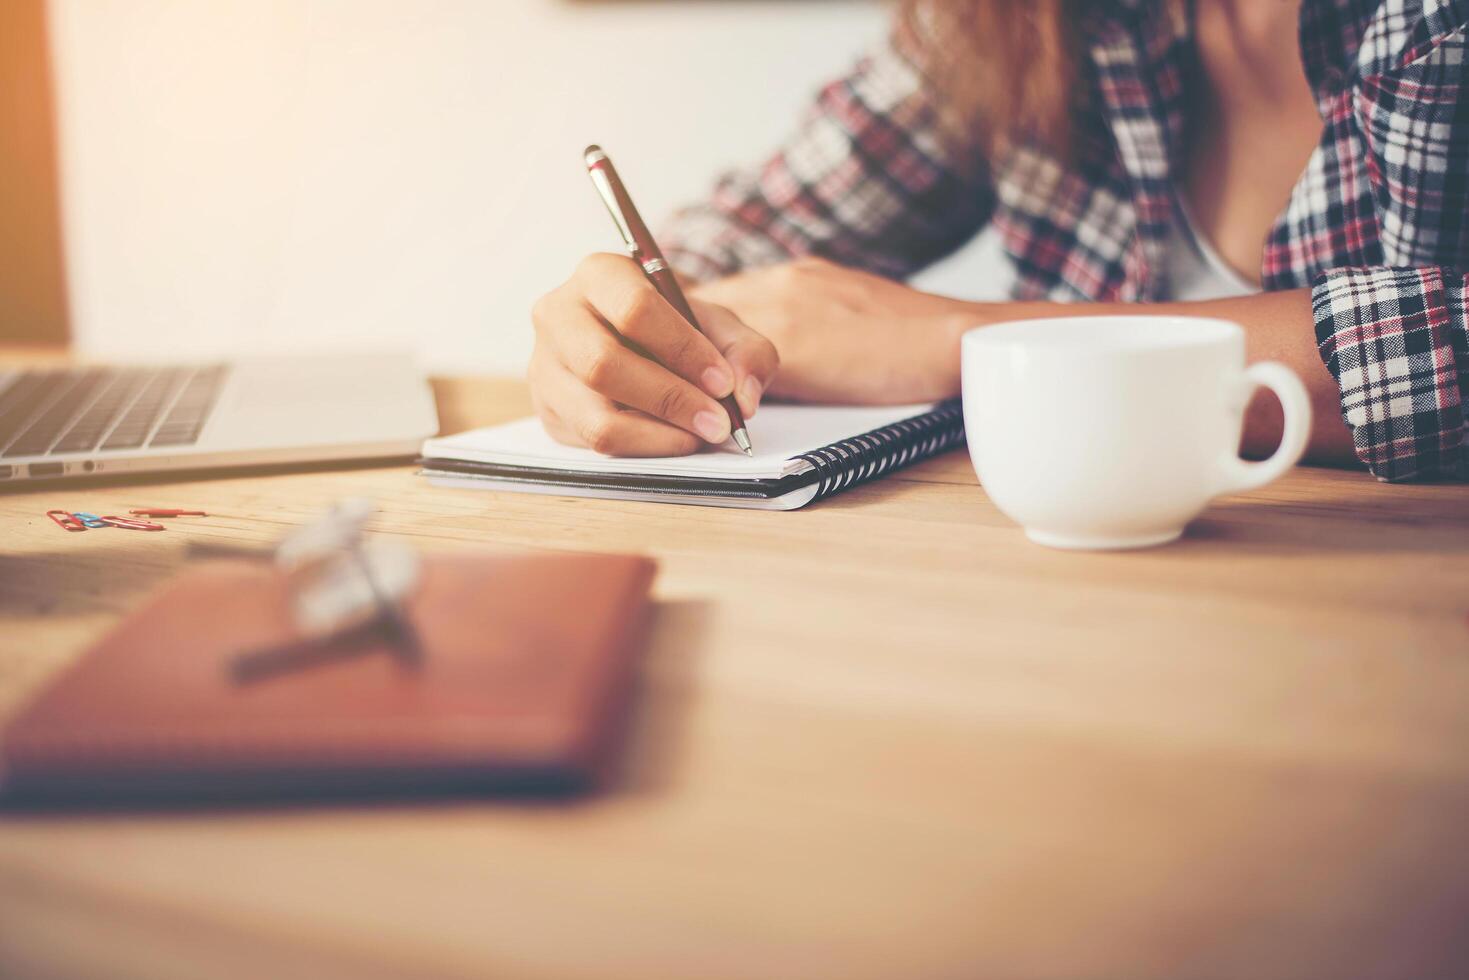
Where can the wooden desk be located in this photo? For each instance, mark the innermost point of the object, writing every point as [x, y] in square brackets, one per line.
[882, 737]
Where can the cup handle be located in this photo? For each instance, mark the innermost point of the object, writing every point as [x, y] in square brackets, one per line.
[1239, 475]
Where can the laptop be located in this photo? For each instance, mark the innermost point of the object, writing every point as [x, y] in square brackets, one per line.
[82, 421]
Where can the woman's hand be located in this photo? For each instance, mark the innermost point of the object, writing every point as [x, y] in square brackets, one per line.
[836, 335]
[592, 388]
[849, 336]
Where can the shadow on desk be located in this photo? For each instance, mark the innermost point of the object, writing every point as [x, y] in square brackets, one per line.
[107, 579]
[1323, 525]
[662, 702]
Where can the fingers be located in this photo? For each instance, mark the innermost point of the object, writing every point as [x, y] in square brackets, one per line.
[593, 386]
[577, 416]
[753, 358]
[615, 289]
[595, 357]
[610, 369]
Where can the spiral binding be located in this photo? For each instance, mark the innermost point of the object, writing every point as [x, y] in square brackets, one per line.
[861, 458]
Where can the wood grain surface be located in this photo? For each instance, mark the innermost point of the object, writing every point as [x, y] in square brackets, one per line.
[882, 737]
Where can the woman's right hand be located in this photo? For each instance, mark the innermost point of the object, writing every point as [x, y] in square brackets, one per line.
[591, 388]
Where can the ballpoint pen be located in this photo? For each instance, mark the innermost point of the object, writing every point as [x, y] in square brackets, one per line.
[645, 252]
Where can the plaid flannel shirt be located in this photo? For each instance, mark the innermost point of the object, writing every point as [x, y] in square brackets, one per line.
[1377, 225]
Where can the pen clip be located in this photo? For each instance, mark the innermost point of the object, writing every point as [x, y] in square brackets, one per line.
[609, 198]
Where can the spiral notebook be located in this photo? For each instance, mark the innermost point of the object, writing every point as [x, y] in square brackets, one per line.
[802, 453]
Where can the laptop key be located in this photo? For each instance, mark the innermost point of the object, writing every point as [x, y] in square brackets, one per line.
[168, 436]
[186, 419]
[130, 438]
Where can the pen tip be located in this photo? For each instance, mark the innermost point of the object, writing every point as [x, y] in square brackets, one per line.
[593, 155]
[742, 439]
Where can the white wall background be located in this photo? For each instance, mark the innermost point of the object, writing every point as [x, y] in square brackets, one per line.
[305, 174]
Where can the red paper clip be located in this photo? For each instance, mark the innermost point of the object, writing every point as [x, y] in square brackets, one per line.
[132, 524]
[64, 518]
[166, 512]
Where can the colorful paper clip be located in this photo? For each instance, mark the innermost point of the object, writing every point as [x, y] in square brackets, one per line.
[67, 522]
[90, 520]
[132, 524]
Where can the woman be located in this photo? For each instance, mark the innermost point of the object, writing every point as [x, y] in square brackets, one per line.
[1300, 167]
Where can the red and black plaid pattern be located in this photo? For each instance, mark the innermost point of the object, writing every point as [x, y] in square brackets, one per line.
[863, 182]
[1395, 341]
[1377, 225]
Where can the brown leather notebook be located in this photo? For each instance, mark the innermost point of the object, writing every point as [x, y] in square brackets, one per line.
[522, 671]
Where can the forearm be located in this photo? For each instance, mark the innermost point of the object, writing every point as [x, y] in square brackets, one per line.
[1277, 325]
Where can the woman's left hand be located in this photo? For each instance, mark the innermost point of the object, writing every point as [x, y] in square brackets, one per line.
[849, 336]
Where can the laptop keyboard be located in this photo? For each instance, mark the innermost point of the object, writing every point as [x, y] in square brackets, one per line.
[81, 410]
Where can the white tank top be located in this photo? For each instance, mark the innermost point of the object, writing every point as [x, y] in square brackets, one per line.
[1195, 270]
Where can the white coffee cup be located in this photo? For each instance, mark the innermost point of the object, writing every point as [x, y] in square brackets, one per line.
[1116, 431]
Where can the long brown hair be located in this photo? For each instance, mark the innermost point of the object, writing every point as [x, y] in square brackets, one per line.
[1001, 70]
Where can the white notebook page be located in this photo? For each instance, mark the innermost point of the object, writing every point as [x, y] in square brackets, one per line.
[779, 433]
